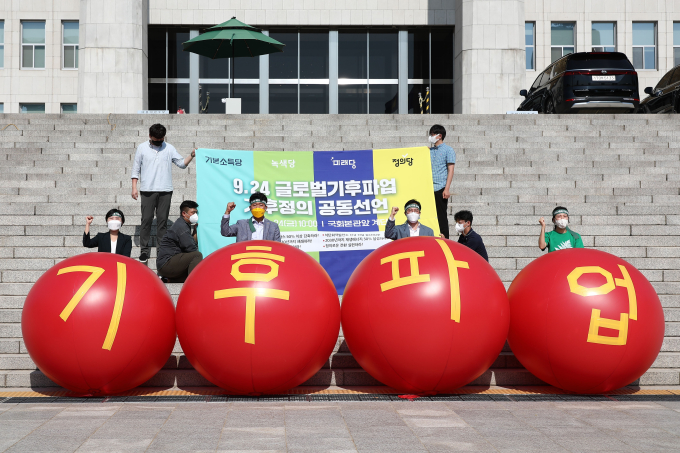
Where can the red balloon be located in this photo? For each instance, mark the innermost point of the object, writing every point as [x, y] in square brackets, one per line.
[584, 320]
[258, 317]
[99, 323]
[425, 315]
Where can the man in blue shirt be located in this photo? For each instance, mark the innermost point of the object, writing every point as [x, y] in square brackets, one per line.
[153, 165]
[443, 159]
[468, 237]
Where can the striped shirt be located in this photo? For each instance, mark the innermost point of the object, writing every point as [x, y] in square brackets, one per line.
[440, 157]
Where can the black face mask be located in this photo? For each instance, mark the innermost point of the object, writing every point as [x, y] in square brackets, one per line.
[156, 142]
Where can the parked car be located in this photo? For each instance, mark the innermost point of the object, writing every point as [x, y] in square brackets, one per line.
[665, 96]
[585, 82]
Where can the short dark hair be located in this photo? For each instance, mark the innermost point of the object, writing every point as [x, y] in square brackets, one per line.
[157, 131]
[438, 129]
[412, 202]
[187, 204]
[116, 212]
[258, 196]
[465, 216]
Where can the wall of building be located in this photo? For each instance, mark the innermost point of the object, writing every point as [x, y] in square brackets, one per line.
[303, 12]
[52, 85]
[623, 12]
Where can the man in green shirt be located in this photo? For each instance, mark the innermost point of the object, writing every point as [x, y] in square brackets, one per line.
[561, 237]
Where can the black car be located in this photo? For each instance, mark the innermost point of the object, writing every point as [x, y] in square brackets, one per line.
[585, 82]
[665, 96]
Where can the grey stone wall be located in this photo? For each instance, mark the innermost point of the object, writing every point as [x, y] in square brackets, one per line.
[618, 174]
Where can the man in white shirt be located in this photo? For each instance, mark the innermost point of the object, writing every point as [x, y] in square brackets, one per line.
[254, 228]
[152, 163]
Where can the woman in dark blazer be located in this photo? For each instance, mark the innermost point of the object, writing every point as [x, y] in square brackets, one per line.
[104, 241]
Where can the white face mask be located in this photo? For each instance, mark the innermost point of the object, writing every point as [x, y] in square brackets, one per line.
[114, 224]
[561, 223]
[413, 217]
[434, 138]
[460, 227]
[193, 219]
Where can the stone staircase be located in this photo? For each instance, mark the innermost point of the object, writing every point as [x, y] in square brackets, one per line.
[618, 174]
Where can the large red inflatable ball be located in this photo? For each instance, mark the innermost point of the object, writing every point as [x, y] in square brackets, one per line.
[99, 323]
[258, 317]
[425, 315]
[584, 320]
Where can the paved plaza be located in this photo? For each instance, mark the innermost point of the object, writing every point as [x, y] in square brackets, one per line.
[503, 424]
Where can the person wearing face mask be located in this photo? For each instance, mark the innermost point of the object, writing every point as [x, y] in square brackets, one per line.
[443, 160]
[113, 241]
[562, 237]
[178, 253]
[153, 164]
[256, 227]
[412, 227]
[467, 236]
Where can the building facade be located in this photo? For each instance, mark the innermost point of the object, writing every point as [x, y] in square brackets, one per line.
[346, 56]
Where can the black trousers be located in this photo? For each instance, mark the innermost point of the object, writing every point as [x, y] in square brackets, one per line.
[157, 203]
[180, 266]
[442, 214]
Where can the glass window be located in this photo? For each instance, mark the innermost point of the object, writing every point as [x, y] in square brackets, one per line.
[352, 55]
[383, 55]
[70, 45]
[313, 56]
[31, 108]
[441, 91]
[676, 43]
[418, 55]
[178, 97]
[561, 39]
[313, 98]
[530, 43]
[33, 44]
[644, 45]
[382, 98]
[418, 69]
[283, 98]
[157, 62]
[178, 60]
[423, 44]
[2, 107]
[284, 65]
[248, 93]
[352, 99]
[604, 37]
[157, 96]
[2, 43]
[69, 108]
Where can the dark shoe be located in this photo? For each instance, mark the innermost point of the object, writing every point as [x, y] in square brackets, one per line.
[164, 279]
[143, 257]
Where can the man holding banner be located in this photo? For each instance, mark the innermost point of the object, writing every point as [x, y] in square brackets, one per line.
[254, 228]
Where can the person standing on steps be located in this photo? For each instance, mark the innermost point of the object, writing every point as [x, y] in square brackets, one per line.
[112, 242]
[561, 237]
[443, 160]
[152, 165]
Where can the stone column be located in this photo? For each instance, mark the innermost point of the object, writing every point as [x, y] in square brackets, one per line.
[113, 72]
[489, 55]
